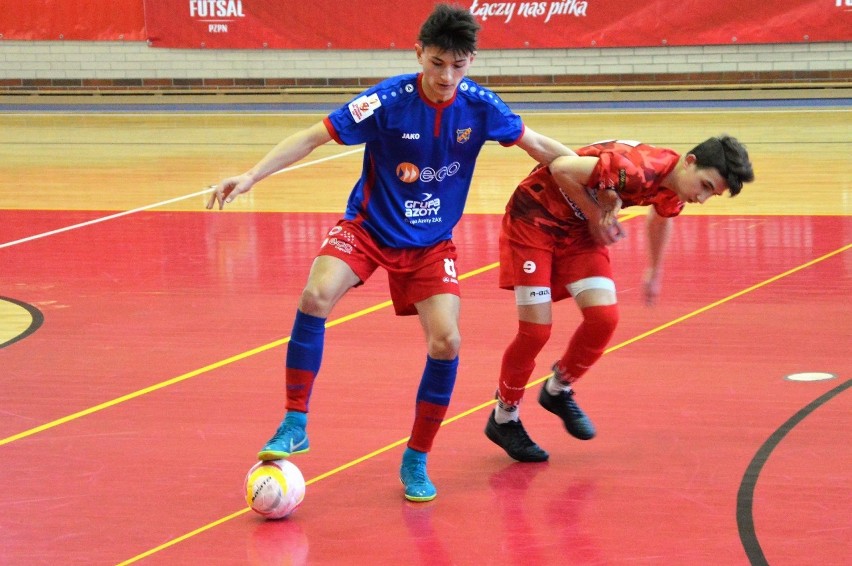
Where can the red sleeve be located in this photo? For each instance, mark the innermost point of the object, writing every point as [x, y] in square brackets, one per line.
[635, 172]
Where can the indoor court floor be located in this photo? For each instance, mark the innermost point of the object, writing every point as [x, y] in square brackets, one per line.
[142, 343]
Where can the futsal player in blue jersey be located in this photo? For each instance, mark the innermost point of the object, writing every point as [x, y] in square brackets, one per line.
[422, 134]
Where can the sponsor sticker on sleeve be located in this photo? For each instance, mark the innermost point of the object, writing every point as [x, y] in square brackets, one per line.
[363, 107]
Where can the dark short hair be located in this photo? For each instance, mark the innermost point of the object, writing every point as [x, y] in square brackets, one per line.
[450, 28]
[728, 156]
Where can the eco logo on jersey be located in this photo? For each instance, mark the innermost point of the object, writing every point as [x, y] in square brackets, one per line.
[410, 173]
[407, 172]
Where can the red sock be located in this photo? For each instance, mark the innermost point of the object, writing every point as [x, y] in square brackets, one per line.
[589, 341]
[427, 420]
[519, 360]
[299, 385]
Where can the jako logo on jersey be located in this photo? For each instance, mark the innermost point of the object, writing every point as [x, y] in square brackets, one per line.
[427, 207]
[409, 172]
[414, 136]
[463, 135]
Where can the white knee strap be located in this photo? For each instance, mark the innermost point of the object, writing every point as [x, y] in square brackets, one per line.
[532, 295]
[588, 283]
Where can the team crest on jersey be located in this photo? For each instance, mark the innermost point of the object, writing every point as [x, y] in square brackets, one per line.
[463, 135]
[364, 106]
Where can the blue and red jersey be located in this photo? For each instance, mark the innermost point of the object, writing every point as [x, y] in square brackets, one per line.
[419, 156]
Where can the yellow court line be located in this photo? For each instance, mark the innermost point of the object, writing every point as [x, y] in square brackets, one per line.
[183, 537]
[730, 297]
[139, 393]
[205, 369]
[481, 406]
[178, 379]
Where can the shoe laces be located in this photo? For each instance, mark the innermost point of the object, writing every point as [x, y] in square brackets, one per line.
[571, 405]
[286, 429]
[415, 472]
[519, 436]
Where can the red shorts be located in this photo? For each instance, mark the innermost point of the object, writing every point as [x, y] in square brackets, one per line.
[415, 274]
[531, 257]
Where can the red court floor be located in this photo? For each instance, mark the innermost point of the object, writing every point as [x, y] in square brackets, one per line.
[152, 372]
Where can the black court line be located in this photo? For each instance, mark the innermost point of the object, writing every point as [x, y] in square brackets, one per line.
[35, 324]
[745, 496]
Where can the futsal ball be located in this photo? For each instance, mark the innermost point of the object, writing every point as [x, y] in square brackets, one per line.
[274, 488]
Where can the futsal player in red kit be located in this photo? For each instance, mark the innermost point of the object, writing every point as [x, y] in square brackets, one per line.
[553, 245]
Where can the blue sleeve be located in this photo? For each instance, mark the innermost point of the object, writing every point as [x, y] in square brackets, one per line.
[503, 125]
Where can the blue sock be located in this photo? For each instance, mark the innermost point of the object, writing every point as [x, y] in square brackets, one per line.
[304, 356]
[306, 342]
[439, 378]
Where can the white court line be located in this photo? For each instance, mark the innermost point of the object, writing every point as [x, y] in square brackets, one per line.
[162, 203]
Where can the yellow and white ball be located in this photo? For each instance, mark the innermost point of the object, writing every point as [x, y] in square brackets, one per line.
[274, 488]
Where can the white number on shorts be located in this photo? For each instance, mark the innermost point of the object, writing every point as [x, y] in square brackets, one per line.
[450, 268]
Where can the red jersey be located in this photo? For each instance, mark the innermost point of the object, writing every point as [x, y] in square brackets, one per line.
[633, 169]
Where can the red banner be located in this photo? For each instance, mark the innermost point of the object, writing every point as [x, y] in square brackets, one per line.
[384, 24]
[109, 20]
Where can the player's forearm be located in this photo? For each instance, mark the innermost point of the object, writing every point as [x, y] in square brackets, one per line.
[659, 232]
[571, 174]
[542, 148]
[550, 149]
[289, 151]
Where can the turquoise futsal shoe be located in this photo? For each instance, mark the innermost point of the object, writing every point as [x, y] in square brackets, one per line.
[290, 438]
[412, 474]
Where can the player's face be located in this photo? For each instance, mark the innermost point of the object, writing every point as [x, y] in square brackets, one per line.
[696, 185]
[442, 72]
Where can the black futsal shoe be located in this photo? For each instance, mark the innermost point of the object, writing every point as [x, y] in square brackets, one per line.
[512, 438]
[563, 406]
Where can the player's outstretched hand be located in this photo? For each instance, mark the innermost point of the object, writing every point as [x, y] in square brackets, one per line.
[229, 189]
